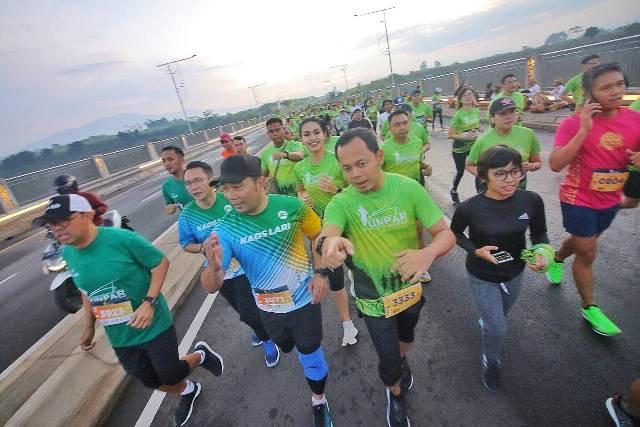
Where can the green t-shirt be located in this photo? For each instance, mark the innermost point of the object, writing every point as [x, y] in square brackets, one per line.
[175, 192]
[635, 105]
[308, 175]
[115, 269]
[421, 112]
[463, 121]
[522, 139]
[286, 176]
[403, 159]
[574, 87]
[516, 97]
[330, 145]
[415, 131]
[436, 101]
[380, 224]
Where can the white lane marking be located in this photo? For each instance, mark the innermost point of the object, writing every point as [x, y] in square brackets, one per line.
[8, 278]
[153, 405]
[150, 196]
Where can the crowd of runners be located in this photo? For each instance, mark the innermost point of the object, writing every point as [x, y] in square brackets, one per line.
[336, 206]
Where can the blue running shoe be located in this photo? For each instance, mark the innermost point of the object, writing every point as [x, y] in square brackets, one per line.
[255, 341]
[271, 353]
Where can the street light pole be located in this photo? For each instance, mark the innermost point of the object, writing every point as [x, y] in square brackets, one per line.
[172, 73]
[343, 67]
[386, 35]
[255, 96]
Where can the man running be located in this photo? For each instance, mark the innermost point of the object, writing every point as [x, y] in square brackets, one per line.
[403, 153]
[120, 275]
[174, 192]
[422, 112]
[510, 87]
[597, 145]
[227, 146]
[265, 233]
[194, 226]
[378, 213]
[574, 85]
[240, 145]
[387, 108]
[279, 158]
[358, 120]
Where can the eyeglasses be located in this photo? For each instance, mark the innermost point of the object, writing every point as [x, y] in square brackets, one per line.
[59, 224]
[501, 175]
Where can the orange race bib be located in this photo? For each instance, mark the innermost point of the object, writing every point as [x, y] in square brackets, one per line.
[113, 314]
[607, 180]
[399, 301]
[276, 300]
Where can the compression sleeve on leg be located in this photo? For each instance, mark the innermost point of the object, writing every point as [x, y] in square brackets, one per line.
[314, 365]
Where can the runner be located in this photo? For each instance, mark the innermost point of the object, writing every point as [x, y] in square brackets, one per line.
[625, 410]
[403, 153]
[464, 130]
[227, 146]
[342, 121]
[372, 113]
[194, 226]
[495, 284]
[266, 234]
[436, 103]
[416, 130]
[509, 90]
[378, 214]
[574, 85]
[358, 120]
[597, 145]
[503, 132]
[120, 275]
[319, 179]
[387, 108]
[422, 112]
[174, 192]
[240, 145]
[279, 158]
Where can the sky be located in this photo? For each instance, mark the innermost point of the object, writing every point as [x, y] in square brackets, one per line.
[66, 63]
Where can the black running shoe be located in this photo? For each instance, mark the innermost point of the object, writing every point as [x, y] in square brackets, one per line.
[454, 197]
[491, 375]
[185, 408]
[321, 415]
[406, 379]
[396, 411]
[619, 416]
[212, 361]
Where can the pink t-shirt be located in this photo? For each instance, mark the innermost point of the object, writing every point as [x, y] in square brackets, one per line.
[603, 153]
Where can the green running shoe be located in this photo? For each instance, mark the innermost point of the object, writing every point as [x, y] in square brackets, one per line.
[555, 272]
[599, 322]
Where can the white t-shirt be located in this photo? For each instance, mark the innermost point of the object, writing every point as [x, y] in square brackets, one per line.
[557, 91]
[535, 89]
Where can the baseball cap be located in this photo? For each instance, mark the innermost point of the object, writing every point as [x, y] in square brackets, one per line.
[225, 137]
[62, 207]
[416, 91]
[236, 168]
[500, 105]
[398, 100]
[437, 90]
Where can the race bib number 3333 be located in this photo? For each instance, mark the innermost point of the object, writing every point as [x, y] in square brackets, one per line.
[399, 301]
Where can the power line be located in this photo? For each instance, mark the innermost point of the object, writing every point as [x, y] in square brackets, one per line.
[172, 72]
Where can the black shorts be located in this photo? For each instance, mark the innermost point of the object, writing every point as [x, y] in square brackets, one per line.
[300, 328]
[632, 186]
[156, 362]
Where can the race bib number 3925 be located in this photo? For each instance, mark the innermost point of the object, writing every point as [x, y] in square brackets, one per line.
[113, 314]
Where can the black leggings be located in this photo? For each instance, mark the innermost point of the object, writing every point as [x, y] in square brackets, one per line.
[460, 159]
[237, 292]
[436, 112]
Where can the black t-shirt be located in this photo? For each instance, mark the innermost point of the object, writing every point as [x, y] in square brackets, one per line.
[501, 223]
[362, 123]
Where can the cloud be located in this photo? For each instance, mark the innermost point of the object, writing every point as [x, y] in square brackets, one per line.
[92, 67]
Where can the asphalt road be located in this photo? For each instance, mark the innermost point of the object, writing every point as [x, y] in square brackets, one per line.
[27, 309]
[556, 371]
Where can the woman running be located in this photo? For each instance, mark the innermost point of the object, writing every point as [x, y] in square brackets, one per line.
[494, 247]
[464, 130]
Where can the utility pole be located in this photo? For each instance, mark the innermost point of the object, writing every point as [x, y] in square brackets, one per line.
[386, 34]
[172, 72]
[255, 96]
[343, 67]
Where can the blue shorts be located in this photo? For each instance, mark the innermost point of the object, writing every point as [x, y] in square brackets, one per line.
[581, 221]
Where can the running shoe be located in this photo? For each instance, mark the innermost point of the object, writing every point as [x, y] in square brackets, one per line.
[185, 407]
[425, 277]
[406, 378]
[619, 416]
[271, 353]
[396, 411]
[491, 375]
[212, 361]
[599, 322]
[350, 334]
[454, 197]
[255, 341]
[321, 415]
[555, 273]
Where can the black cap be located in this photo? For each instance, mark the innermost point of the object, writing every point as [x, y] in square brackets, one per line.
[416, 91]
[62, 207]
[500, 105]
[236, 168]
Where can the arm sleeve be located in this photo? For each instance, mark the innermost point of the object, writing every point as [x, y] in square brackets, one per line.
[310, 221]
[567, 129]
[427, 212]
[459, 224]
[538, 222]
[142, 250]
[185, 232]
[334, 214]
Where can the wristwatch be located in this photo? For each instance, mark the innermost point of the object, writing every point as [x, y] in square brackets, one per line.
[319, 245]
[152, 300]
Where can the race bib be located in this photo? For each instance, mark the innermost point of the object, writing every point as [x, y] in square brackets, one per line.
[608, 180]
[277, 300]
[421, 119]
[113, 314]
[399, 301]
